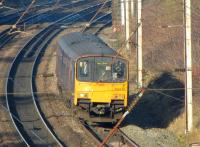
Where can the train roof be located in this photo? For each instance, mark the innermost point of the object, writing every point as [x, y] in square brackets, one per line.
[79, 44]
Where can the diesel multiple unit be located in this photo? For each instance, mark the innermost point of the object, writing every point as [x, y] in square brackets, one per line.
[93, 77]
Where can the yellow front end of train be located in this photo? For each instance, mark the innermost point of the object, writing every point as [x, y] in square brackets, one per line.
[101, 92]
[101, 85]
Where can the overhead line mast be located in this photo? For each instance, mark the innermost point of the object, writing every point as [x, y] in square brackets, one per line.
[122, 12]
[127, 25]
[188, 66]
[139, 44]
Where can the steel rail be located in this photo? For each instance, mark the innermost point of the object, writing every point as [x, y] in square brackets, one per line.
[5, 37]
[64, 6]
[98, 138]
[99, 23]
[15, 118]
[50, 4]
[20, 10]
[10, 14]
[105, 25]
[14, 14]
[90, 132]
[34, 72]
[88, 128]
[39, 111]
[15, 64]
[109, 22]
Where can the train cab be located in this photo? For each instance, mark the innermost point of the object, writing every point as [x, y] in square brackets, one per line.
[97, 77]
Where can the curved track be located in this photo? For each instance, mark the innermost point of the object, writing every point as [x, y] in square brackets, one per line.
[21, 97]
[6, 35]
[12, 14]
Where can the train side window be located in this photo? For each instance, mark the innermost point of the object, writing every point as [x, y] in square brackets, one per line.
[84, 68]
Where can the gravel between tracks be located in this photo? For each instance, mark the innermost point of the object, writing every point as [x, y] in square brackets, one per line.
[66, 126]
[53, 105]
[59, 116]
[8, 134]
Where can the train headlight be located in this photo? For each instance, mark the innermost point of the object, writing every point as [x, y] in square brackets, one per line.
[83, 95]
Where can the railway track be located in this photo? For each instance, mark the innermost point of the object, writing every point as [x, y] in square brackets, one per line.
[7, 35]
[21, 93]
[9, 14]
[99, 132]
[96, 132]
[99, 23]
[13, 14]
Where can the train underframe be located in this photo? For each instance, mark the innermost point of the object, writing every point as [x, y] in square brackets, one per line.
[100, 112]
